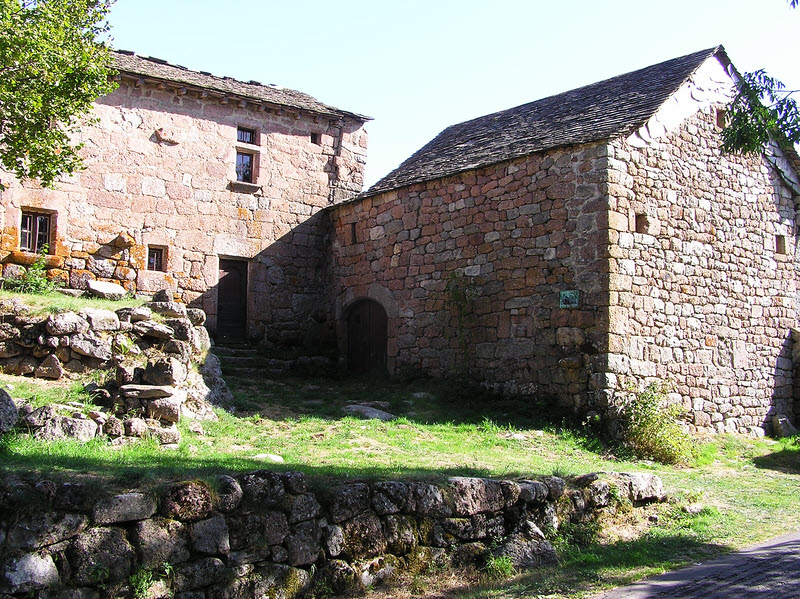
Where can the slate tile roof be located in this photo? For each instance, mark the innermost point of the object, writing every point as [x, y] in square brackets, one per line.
[156, 69]
[595, 112]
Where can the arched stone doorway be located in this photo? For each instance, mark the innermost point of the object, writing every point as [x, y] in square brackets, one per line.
[367, 334]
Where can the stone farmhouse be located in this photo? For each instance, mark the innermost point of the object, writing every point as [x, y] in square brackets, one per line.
[575, 247]
[203, 185]
[583, 245]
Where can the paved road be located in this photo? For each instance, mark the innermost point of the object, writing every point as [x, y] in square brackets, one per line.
[767, 571]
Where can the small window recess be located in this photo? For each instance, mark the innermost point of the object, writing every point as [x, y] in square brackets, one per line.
[642, 223]
[246, 136]
[34, 232]
[780, 244]
[157, 258]
[316, 139]
[353, 236]
[722, 116]
[245, 167]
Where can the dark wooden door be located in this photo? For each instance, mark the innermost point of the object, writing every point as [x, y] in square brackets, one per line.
[231, 301]
[366, 338]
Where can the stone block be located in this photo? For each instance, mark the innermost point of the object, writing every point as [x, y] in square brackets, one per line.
[127, 507]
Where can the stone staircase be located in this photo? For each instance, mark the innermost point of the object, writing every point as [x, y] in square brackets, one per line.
[243, 361]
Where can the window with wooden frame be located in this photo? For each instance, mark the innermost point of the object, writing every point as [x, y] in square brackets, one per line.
[244, 166]
[247, 156]
[156, 258]
[246, 136]
[34, 232]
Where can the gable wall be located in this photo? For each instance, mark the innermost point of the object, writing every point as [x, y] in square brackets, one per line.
[172, 188]
[701, 299]
[498, 243]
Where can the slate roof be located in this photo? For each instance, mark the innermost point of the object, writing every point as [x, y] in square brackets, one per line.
[151, 68]
[603, 110]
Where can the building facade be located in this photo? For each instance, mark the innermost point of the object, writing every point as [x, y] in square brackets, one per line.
[203, 185]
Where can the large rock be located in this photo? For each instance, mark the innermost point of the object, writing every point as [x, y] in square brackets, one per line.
[782, 426]
[8, 412]
[168, 309]
[167, 409]
[106, 290]
[27, 573]
[105, 546]
[475, 495]
[165, 371]
[348, 501]
[188, 501]
[148, 328]
[527, 547]
[101, 320]
[50, 368]
[126, 507]
[161, 540]
[369, 412]
[642, 487]
[210, 536]
[44, 529]
[363, 537]
[62, 427]
[93, 347]
[67, 323]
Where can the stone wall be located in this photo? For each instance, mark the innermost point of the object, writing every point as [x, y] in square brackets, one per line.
[269, 534]
[703, 278]
[161, 173]
[470, 271]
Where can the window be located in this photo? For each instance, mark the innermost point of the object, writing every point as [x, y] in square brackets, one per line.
[642, 223]
[353, 236]
[246, 136]
[244, 167]
[780, 244]
[155, 259]
[34, 232]
[316, 139]
[722, 116]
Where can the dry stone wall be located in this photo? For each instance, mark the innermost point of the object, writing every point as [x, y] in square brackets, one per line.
[266, 533]
[703, 279]
[161, 174]
[470, 271]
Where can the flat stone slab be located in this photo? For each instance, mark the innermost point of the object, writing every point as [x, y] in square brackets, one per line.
[147, 391]
[368, 412]
[106, 290]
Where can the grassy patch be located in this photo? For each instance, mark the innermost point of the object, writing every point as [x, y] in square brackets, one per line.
[736, 492]
[53, 302]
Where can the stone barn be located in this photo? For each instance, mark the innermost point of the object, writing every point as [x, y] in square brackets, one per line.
[203, 185]
[583, 245]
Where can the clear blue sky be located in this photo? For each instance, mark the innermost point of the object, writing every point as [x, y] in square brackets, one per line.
[418, 66]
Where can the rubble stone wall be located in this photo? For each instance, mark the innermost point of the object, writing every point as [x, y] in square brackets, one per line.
[703, 278]
[270, 534]
[160, 172]
[470, 271]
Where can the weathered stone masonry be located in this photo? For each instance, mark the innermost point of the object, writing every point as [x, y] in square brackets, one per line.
[517, 233]
[160, 173]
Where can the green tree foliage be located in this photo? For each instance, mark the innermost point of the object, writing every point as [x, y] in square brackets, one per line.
[52, 68]
[762, 111]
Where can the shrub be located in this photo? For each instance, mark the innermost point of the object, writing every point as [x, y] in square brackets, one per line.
[35, 278]
[652, 430]
[499, 567]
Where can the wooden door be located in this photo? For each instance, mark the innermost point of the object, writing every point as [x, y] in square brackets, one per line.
[366, 338]
[231, 301]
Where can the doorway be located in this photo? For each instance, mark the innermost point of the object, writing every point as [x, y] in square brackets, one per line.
[367, 334]
[231, 301]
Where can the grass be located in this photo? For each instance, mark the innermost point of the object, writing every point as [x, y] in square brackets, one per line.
[746, 489]
[53, 302]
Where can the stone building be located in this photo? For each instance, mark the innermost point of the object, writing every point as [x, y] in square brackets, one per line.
[583, 245]
[204, 185]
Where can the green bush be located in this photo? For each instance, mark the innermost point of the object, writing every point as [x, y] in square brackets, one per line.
[499, 568]
[652, 430]
[35, 278]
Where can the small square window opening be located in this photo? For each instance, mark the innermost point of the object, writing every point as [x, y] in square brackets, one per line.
[642, 223]
[316, 139]
[34, 232]
[353, 236]
[244, 167]
[246, 136]
[780, 244]
[722, 115]
[155, 259]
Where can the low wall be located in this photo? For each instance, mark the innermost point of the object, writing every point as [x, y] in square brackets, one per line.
[269, 534]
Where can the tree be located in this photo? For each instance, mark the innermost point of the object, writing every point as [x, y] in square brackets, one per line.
[761, 111]
[52, 68]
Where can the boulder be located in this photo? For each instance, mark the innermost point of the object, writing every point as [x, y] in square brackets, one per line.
[148, 328]
[126, 507]
[347, 501]
[101, 320]
[27, 573]
[67, 323]
[50, 368]
[63, 427]
[161, 540]
[369, 412]
[147, 391]
[91, 346]
[196, 316]
[101, 545]
[229, 493]
[210, 536]
[475, 495]
[642, 487]
[163, 295]
[527, 547]
[136, 314]
[43, 529]
[8, 412]
[187, 501]
[782, 426]
[166, 408]
[168, 309]
[165, 371]
[106, 290]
